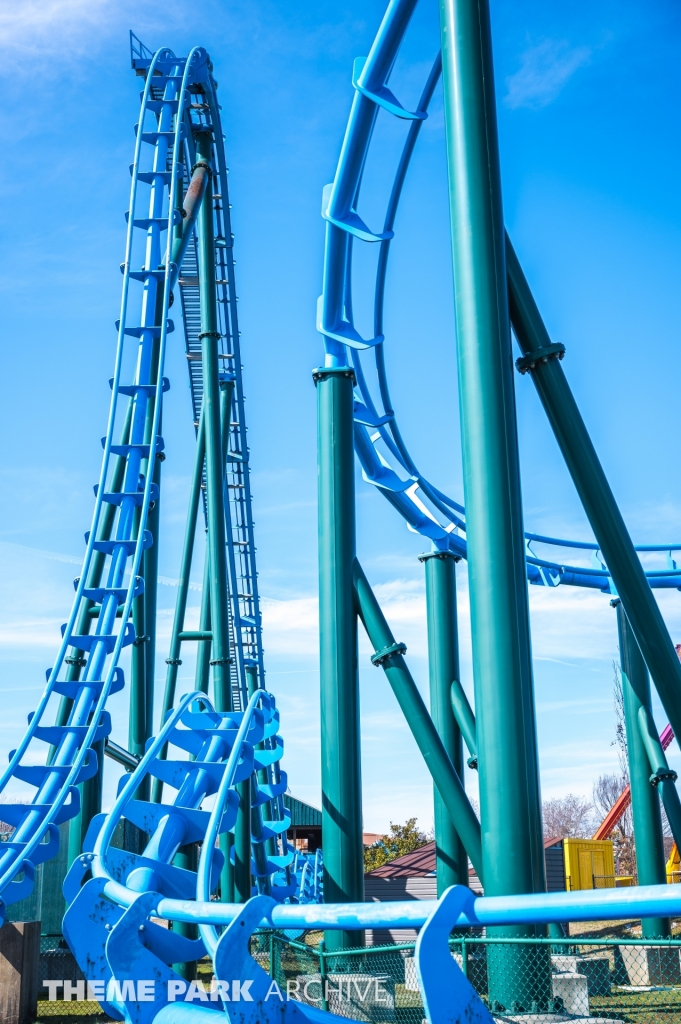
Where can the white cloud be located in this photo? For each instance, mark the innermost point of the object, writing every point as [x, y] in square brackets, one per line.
[39, 27]
[544, 69]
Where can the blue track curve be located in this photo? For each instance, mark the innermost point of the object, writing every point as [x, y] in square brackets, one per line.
[382, 452]
[164, 151]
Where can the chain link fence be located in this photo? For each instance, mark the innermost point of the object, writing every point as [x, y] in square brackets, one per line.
[635, 981]
[629, 980]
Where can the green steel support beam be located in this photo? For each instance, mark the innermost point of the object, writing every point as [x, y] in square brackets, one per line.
[645, 804]
[663, 777]
[210, 336]
[389, 655]
[243, 881]
[340, 731]
[173, 660]
[594, 491]
[510, 800]
[465, 719]
[443, 665]
[203, 654]
[215, 603]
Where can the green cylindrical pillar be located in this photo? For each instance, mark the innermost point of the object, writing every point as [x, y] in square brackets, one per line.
[645, 803]
[510, 802]
[389, 656]
[210, 336]
[465, 719]
[243, 881]
[443, 666]
[340, 732]
[204, 647]
[643, 611]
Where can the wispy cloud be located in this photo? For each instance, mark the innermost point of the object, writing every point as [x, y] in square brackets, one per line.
[544, 70]
[39, 27]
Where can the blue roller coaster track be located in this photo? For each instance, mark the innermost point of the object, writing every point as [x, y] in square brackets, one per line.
[120, 902]
[380, 447]
[178, 100]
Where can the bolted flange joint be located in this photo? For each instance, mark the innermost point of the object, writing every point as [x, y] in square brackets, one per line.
[541, 355]
[439, 554]
[210, 334]
[222, 661]
[173, 661]
[379, 657]
[324, 372]
[663, 775]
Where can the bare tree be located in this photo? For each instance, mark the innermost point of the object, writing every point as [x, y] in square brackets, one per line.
[606, 792]
[567, 817]
[620, 740]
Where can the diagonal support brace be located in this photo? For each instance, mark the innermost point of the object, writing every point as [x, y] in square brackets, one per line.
[437, 760]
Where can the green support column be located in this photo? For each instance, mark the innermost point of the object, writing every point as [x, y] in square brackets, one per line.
[599, 503]
[173, 661]
[661, 775]
[215, 604]
[443, 665]
[340, 732]
[645, 804]
[465, 719]
[243, 881]
[210, 336]
[204, 647]
[510, 802]
[389, 656]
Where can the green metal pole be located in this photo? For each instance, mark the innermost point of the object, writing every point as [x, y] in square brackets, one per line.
[216, 598]
[443, 664]
[662, 776]
[510, 800]
[173, 661]
[465, 719]
[339, 682]
[204, 647]
[645, 804]
[243, 881]
[594, 491]
[210, 335]
[389, 655]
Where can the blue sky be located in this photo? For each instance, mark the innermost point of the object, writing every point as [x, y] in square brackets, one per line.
[588, 100]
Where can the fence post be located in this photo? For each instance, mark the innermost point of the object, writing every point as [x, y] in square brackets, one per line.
[322, 975]
[464, 957]
[272, 974]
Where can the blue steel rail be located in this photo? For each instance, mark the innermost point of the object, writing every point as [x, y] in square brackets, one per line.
[116, 556]
[383, 454]
[164, 151]
[114, 923]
